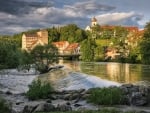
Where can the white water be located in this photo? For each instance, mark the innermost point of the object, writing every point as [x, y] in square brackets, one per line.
[16, 81]
[62, 79]
[66, 79]
[77, 80]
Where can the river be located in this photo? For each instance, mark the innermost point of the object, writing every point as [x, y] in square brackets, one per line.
[76, 75]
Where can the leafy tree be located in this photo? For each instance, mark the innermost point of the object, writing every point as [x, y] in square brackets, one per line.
[145, 45]
[53, 34]
[44, 56]
[72, 33]
[99, 53]
[9, 53]
[87, 50]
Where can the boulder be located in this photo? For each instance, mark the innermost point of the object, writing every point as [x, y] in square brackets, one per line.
[138, 99]
[63, 107]
[45, 107]
[29, 108]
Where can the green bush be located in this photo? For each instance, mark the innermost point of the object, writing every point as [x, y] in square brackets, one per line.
[4, 108]
[39, 90]
[106, 96]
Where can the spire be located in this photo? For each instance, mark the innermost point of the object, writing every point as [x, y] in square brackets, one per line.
[94, 19]
[93, 22]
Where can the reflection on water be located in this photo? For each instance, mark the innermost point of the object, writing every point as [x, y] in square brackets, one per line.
[122, 73]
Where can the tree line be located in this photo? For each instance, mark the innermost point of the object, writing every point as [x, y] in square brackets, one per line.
[11, 55]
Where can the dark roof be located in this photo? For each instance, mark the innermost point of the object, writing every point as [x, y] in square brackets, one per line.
[31, 35]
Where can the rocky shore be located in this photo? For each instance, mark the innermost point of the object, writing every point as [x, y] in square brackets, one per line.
[137, 98]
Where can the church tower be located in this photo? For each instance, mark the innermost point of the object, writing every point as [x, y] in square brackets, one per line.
[93, 22]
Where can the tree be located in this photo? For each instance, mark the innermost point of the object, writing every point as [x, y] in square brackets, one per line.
[72, 33]
[9, 53]
[44, 56]
[53, 35]
[145, 45]
[87, 50]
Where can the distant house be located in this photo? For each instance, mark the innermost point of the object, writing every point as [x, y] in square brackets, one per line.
[30, 40]
[112, 53]
[73, 48]
[65, 48]
[61, 46]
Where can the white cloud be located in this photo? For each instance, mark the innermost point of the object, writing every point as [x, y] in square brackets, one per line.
[114, 17]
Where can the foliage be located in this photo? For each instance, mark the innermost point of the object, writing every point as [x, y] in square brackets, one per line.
[53, 34]
[4, 108]
[9, 53]
[44, 56]
[99, 53]
[87, 50]
[106, 96]
[72, 33]
[37, 90]
[145, 45]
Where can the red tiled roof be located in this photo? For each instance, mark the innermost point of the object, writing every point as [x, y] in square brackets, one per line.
[108, 27]
[72, 46]
[129, 28]
[60, 43]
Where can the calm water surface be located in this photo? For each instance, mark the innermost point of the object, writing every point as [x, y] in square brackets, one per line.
[118, 72]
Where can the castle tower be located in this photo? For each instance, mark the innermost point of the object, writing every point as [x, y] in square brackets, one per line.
[93, 21]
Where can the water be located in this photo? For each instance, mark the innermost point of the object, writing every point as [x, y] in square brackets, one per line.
[118, 72]
[78, 75]
[16, 81]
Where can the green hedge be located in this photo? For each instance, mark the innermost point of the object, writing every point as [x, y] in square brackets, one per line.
[106, 96]
[39, 90]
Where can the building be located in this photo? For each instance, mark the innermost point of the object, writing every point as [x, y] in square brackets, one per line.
[73, 48]
[93, 23]
[129, 35]
[65, 48]
[61, 46]
[30, 40]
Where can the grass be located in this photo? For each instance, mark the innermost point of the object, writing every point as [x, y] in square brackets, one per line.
[106, 96]
[39, 90]
[103, 42]
[4, 108]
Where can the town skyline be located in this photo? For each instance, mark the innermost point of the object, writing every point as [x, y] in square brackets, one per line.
[17, 16]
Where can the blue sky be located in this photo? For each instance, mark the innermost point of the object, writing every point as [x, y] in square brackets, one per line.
[21, 15]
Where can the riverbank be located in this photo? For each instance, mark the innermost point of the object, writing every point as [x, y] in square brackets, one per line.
[72, 98]
[137, 99]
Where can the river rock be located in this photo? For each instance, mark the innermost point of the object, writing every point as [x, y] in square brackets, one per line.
[45, 107]
[138, 99]
[29, 108]
[9, 93]
[63, 107]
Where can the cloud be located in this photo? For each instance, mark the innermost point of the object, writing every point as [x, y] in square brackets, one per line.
[89, 7]
[20, 7]
[21, 15]
[122, 18]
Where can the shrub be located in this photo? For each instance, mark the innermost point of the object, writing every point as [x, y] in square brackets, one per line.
[39, 90]
[4, 108]
[106, 96]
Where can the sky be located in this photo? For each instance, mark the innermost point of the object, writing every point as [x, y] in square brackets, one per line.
[21, 15]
